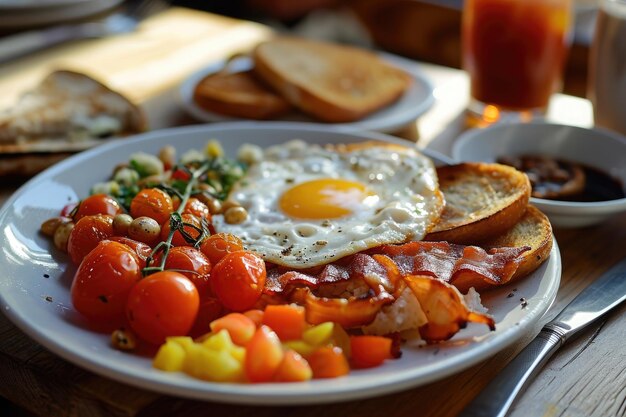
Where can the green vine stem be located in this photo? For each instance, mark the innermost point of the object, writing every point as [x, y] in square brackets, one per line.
[176, 221]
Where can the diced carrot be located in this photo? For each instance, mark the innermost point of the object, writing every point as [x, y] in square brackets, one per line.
[329, 362]
[255, 315]
[369, 351]
[240, 327]
[293, 368]
[264, 353]
[286, 320]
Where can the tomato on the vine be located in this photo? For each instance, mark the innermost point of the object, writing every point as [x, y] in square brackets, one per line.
[238, 280]
[186, 258]
[87, 233]
[178, 239]
[216, 246]
[153, 203]
[161, 305]
[197, 208]
[103, 280]
[97, 204]
[141, 249]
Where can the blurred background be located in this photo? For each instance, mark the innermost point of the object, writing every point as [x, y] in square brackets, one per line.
[425, 30]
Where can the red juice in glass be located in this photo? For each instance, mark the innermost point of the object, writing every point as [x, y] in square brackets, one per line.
[515, 51]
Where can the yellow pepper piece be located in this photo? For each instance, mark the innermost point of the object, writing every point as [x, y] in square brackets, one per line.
[300, 346]
[213, 365]
[170, 357]
[341, 339]
[219, 341]
[183, 341]
[319, 335]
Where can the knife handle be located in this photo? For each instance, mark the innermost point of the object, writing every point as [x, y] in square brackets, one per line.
[498, 396]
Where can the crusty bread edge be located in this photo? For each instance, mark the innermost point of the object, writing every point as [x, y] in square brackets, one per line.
[536, 256]
[138, 117]
[487, 227]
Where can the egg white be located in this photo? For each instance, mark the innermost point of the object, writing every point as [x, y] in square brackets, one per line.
[405, 204]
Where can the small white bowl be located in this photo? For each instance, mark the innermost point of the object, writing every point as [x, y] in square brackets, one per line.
[596, 148]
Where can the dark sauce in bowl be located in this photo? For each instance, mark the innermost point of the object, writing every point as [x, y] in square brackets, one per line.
[557, 179]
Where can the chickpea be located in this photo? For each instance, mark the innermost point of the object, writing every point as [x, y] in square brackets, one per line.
[121, 223]
[167, 155]
[229, 204]
[123, 339]
[149, 180]
[235, 215]
[214, 205]
[50, 226]
[144, 229]
[203, 186]
[62, 235]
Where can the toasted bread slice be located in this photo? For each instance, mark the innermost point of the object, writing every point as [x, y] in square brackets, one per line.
[67, 107]
[482, 201]
[533, 230]
[333, 83]
[239, 94]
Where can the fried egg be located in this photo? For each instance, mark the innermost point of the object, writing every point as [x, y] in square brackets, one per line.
[310, 205]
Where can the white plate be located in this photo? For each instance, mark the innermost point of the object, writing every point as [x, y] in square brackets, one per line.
[27, 256]
[415, 101]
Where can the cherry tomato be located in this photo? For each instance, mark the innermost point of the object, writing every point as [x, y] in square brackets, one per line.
[162, 305]
[178, 239]
[87, 233]
[186, 258]
[141, 249]
[238, 280]
[264, 353]
[152, 202]
[197, 208]
[97, 204]
[181, 175]
[210, 310]
[215, 247]
[103, 280]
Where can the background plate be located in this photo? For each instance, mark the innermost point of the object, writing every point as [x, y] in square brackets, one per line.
[41, 306]
[415, 101]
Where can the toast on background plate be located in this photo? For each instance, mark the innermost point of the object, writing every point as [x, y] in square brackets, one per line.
[333, 83]
[67, 107]
[482, 201]
[239, 94]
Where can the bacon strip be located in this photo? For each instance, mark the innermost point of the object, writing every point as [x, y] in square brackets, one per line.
[434, 271]
[461, 266]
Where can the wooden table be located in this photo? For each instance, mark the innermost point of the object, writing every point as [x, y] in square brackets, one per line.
[585, 378]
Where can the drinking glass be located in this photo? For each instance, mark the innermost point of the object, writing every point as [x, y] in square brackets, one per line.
[514, 52]
[607, 67]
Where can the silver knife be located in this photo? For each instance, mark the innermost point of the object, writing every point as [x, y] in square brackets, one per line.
[594, 301]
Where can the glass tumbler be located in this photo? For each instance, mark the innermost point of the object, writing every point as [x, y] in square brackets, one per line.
[514, 52]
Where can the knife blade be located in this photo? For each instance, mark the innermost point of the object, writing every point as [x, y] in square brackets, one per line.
[592, 303]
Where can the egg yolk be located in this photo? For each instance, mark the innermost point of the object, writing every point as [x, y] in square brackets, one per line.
[326, 198]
